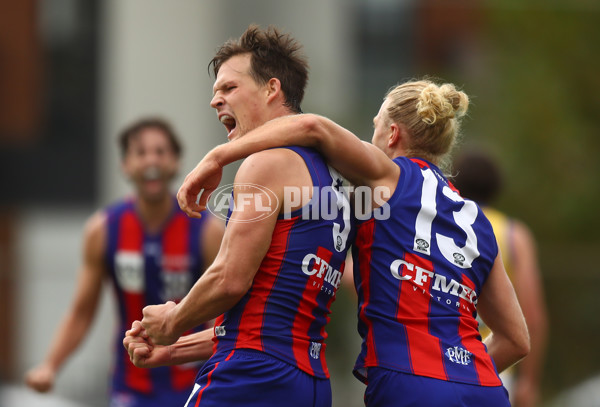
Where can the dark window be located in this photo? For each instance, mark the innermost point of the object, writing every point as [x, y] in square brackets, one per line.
[48, 60]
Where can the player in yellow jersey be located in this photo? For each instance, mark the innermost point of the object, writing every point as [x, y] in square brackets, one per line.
[478, 177]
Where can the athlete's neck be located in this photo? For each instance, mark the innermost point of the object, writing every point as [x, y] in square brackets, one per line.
[154, 213]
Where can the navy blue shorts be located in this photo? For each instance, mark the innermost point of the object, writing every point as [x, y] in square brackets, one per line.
[388, 388]
[251, 378]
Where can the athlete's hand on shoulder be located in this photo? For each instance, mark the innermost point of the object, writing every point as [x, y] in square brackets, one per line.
[41, 378]
[204, 178]
[141, 352]
[157, 324]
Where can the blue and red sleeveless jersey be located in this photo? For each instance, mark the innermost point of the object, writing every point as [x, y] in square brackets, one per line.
[285, 311]
[148, 269]
[420, 265]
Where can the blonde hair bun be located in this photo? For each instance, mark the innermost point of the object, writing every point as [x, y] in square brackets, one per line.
[441, 102]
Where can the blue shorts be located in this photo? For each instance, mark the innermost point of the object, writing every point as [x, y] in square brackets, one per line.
[251, 378]
[389, 388]
[160, 399]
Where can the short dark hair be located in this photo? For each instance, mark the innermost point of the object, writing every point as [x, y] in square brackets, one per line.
[273, 55]
[138, 126]
[477, 176]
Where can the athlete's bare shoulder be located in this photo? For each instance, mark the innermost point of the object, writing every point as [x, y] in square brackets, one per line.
[96, 223]
[274, 156]
[273, 164]
[276, 169]
[95, 233]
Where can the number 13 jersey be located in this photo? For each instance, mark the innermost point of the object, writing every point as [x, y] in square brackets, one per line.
[418, 273]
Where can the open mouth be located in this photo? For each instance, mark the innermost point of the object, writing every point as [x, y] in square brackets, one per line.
[229, 123]
[152, 174]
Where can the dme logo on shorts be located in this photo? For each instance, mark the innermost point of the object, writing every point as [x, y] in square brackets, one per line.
[458, 355]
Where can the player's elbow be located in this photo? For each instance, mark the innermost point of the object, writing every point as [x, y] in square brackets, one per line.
[234, 289]
[313, 128]
[232, 286]
[521, 343]
[514, 343]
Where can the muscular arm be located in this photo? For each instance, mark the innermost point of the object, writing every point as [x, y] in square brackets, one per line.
[212, 236]
[244, 245]
[190, 348]
[210, 242]
[361, 163]
[500, 310]
[528, 286]
[80, 315]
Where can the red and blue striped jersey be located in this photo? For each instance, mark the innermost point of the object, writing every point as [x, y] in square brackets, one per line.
[148, 269]
[287, 307]
[418, 273]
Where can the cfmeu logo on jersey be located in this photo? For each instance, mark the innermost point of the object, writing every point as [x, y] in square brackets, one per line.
[258, 201]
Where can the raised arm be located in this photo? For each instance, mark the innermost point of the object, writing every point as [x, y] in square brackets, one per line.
[80, 315]
[360, 162]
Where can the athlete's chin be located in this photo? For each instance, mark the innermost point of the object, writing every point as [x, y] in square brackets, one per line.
[233, 135]
[154, 196]
[236, 133]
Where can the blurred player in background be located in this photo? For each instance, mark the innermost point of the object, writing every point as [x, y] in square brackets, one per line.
[151, 252]
[426, 260]
[478, 177]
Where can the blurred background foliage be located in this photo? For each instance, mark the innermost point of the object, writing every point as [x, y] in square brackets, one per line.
[538, 107]
[539, 110]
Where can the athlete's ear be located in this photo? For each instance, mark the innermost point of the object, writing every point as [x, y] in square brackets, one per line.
[395, 135]
[273, 89]
[399, 137]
